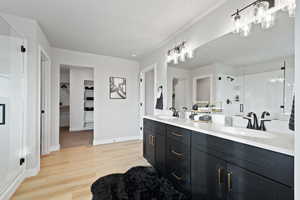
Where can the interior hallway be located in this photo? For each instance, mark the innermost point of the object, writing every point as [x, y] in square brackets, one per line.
[72, 139]
[69, 173]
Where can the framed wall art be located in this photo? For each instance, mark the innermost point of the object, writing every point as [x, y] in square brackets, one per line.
[117, 89]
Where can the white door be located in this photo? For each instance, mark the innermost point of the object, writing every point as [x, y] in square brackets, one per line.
[12, 93]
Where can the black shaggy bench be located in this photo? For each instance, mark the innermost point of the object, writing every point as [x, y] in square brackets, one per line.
[138, 183]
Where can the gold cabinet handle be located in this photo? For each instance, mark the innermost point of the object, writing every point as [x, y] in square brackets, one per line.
[176, 134]
[219, 176]
[176, 177]
[229, 181]
[177, 154]
[150, 139]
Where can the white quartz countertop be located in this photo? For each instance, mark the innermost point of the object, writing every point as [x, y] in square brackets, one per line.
[277, 142]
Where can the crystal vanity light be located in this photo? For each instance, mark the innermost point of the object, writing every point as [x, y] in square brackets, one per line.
[263, 14]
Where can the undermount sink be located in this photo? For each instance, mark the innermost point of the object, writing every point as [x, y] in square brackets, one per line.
[245, 132]
[165, 117]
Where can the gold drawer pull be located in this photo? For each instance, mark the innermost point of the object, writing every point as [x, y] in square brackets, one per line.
[177, 154]
[220, 176]
[176, 177]
[151, 140]
[176, 134]
[229, 181]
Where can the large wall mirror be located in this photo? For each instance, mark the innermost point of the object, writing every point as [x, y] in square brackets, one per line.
[242, 74]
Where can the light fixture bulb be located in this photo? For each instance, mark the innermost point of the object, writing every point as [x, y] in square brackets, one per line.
[268, 21]
[190, 53]
[237, 23]
[246, 29]
[291, 7]
[182, 57]
[260, 11]
[175, 60]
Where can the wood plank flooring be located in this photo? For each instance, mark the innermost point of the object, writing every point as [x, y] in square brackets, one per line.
[72, 139]
[69, 173]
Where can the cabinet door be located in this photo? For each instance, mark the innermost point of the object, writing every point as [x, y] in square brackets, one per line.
[244, 185]
[207, 176]
[148, 145]
[160, 145]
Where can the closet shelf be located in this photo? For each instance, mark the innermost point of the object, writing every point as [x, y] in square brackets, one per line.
[89, 109]
[89, 88]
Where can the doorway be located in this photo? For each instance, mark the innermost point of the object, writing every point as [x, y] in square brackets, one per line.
[76, 106]
[45, 71]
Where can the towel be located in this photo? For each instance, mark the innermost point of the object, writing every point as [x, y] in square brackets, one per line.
[159, 98]
[292, 118]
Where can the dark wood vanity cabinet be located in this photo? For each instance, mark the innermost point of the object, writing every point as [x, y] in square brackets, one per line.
[154, 144]
[245, 185]
[211, 168]
[178, 161]
[223, 169]
[208, 176]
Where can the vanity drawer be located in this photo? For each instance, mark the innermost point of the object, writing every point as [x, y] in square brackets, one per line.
[177, 154]
[275, 166]
[179, 134]
[179, 177]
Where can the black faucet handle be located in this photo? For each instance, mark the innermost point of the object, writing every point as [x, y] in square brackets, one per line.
[264, 114]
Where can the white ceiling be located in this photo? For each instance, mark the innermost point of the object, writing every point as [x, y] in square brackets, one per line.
[109, 27]
[235, 50]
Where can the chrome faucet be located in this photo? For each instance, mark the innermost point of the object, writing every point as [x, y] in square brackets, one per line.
[175, 112]
[252, 116]
[263, 120]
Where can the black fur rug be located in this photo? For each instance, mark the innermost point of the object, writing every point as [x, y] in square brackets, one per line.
[138, 183]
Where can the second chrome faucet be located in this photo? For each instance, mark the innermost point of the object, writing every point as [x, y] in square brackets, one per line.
[253, 121]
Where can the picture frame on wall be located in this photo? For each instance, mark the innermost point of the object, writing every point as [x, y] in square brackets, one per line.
[2, 114]
[117, 88]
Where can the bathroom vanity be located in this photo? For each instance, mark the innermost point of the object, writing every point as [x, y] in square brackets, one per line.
[214, 162]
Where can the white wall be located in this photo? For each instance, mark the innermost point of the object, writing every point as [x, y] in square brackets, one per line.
[114, 119]
[297, 105]
[77, 78]
[34, 38]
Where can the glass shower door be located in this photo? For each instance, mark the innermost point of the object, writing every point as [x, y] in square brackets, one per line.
[12, 93]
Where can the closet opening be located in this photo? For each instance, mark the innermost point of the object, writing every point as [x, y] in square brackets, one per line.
[76, 106]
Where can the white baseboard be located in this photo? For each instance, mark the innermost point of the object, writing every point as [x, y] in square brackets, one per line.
[80, 129]
[54, 148]
[7, 194]
[113, 140]
[32, 172]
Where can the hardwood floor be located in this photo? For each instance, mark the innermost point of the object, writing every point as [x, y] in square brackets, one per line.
[69, 173]
[72, 139]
